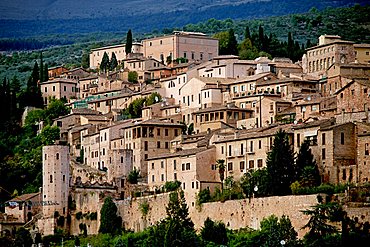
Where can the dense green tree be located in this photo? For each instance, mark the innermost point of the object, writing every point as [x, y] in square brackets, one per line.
[215, 232]
[280, 165]
[247, 50]
[320, 224]
[113, 62]
[49, 135]
[255, 183]
[23, 238]
[232, 43]
[85, 60]
[55, 109]
[132, 76]
[128, 47]
[46, 72]
[153, 99]
[247, 33]
[133, 176]
[32, 96]
[307, 170]
[274, 231]
[221, 170]
[104, 64]
[110, 222]
[41, 68]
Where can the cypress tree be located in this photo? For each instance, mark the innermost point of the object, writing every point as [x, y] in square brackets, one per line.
[280, 165]
[104, 65]
[232, 43]
[128, 47]
[41, 68]
[247, 34]
[261, 37]
[307, 170]
[110, 222]
[46, 72]
[113, 62]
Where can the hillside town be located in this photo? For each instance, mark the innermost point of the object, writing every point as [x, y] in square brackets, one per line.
[200, 108]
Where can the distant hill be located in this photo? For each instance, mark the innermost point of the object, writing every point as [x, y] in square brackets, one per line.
[22, 18]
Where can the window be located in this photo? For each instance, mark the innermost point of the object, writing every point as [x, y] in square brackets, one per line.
[342, 138]
[259, 163]
[175, 176]
[187, 166]
[53, 88]
[64, 178]
[259, 144]
[183, 167]
[145, 146]
[166, 132]
[251, 146]
[57, 156]
[230, 166]
[158, 132]
[184, 54]
[65, 88]
[158, 144]
[51, 178]
[166, 145]
[153, 178]
[222, 149]
[192, 184]
[366, 148]
[46, 89]
[323, 138]
[153, 165]
[242, 165]
[230, 150]
[298, 140]
[344, 174]
[174, 164]
[251, 164]
[162, 164]
[323, 154]
[162, 177]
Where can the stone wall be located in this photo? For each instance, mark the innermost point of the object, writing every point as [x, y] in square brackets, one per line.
[235, 214]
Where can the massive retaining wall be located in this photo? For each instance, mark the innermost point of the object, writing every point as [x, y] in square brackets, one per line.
[235, 214]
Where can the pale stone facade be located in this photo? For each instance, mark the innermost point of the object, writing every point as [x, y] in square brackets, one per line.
[192, 46]
[59, 89]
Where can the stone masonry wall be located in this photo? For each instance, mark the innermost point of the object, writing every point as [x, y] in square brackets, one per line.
[235, 214]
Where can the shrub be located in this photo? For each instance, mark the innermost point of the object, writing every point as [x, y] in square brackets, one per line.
[172, 185]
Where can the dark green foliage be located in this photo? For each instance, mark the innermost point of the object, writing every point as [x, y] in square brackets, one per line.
[32, 96]
[133, 176]
[46, 72]
[132, 76]
[280, 165]
[274, 230]
[41, 68]
[85, 60]
[308, 173]
[255, 183]
[204, 196]
[214, 232]
[109, 221]
[77, 241]
[113, 62]
[320, 224]
[232, 43]
[153, 98]
[23, 238]
[104, 64]
[128, 47]
[172, 185]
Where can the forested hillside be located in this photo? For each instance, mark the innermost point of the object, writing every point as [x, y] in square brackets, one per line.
[351, 23]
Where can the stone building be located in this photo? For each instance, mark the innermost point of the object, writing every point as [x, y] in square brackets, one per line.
[55, 185]
[331, 49]
[96, 55]
[59, 89]
[189, 45]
